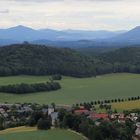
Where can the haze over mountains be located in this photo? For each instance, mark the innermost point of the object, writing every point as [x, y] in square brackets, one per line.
[22, 33]
[69, 38]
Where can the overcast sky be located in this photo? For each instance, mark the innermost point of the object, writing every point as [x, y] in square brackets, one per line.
[71, 14]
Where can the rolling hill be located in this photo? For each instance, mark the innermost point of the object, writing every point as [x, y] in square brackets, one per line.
[42, 60]
[29, 133]
[32, 59]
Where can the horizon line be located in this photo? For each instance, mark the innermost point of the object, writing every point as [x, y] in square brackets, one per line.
[57, 29]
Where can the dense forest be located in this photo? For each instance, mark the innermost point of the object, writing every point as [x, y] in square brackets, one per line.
[42, 60]
[118, 59]
[124, 59]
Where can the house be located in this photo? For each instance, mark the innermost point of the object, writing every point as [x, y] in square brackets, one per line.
[137, 132]
[121, 120]
[66, 107]
[54, 117]
[45, 111]
[95, 116]
[2, 110]
[50, 110]
[82, 111]
[117, 116]
[133, 116]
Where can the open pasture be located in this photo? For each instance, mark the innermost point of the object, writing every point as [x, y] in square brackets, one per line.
[76, 90]
[55, 134]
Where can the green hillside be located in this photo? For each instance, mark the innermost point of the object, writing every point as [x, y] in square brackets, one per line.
[56, 134]
[76, 89]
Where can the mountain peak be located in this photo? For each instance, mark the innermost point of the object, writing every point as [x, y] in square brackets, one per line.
[20, 27]
[136, 28]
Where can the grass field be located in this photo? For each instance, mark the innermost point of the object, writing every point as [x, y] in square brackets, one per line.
[23, 134]
[77, 90]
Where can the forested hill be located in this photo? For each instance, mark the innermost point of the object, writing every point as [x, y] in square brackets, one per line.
[114, 59]
[124, 55]
[42, 60]
[124, 59]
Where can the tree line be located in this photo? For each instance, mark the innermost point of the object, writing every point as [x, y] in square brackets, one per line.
[104, 103]
[30, 88]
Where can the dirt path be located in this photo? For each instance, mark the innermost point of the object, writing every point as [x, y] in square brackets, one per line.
[18, 129]
[78, 134]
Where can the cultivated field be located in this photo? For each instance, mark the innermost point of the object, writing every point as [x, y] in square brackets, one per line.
[77, 90]
[22, 133]
[126, 105]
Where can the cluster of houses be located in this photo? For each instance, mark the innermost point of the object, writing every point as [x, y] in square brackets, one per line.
[10, 115]
[120, 117]
[17, 112]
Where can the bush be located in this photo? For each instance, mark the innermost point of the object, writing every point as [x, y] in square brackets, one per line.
[44, 124]
[31, 122]
[56, 77]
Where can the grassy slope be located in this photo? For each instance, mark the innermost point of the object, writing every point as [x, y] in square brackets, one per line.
[77, 90]
[22, 79]
[55, 134]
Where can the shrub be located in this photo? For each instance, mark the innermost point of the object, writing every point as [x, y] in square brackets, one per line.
[56, 77]
[44, 124]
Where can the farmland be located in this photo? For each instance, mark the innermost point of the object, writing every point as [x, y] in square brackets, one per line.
[126, 105]
[121, 106]
[29, 133]
[75, 90]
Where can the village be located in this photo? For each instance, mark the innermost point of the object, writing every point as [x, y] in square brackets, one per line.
[14, 115]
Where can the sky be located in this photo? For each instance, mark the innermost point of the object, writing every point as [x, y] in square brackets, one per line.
[71, 14]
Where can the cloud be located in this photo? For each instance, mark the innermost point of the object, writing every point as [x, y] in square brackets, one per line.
[34, 0]
[63, 0]
[63, 14]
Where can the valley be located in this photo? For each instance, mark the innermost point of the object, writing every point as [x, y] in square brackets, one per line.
[76, 90]
[46, 87]
[69, 70]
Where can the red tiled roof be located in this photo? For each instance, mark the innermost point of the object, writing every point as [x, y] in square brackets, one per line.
[99, 116]
[81, 111]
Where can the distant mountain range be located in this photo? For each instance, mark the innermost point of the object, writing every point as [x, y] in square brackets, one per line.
[70, 38]
[22, 33]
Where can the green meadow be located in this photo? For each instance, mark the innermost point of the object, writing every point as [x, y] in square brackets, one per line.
[76, 90]
[56, 134]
